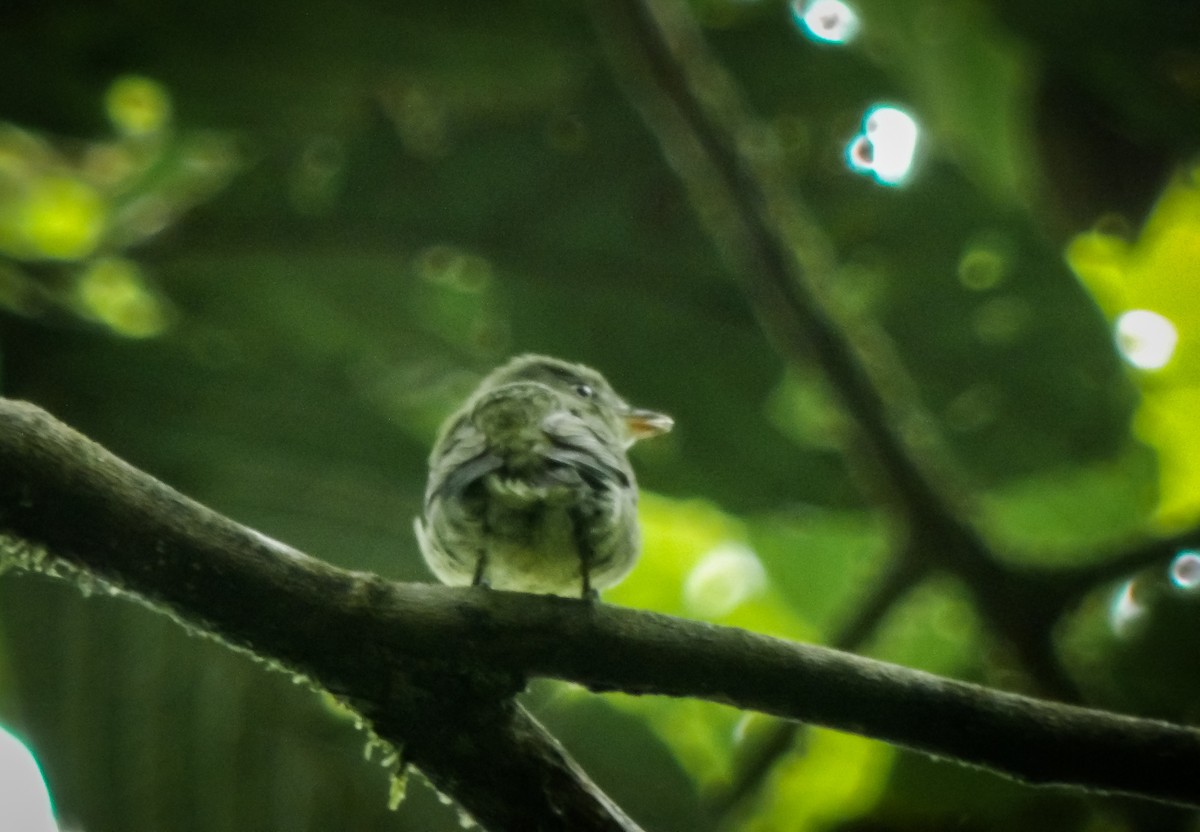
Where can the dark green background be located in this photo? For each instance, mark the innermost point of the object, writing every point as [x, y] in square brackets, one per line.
[362, 268]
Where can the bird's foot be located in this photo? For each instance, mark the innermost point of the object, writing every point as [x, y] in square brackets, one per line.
[588, 592]
[478, 578]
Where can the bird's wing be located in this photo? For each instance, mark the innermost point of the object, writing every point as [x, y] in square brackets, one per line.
[461, 459]
[575, 443]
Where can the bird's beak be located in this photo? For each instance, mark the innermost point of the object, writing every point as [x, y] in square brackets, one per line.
[643, 424]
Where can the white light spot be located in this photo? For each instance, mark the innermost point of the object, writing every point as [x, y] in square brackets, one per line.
[1185, 570]
[886, 147]
[1146, 339]
[829, 21]
[278, 547]
[1125, 609]
[24, 800]
[724, 578]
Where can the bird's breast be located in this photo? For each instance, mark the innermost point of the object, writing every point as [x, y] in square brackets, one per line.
[534, 548]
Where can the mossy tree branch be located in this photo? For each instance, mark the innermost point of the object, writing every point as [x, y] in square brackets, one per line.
[70, 508]
[434, 668]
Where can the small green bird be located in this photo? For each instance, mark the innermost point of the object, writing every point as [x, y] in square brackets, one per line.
[529, 486]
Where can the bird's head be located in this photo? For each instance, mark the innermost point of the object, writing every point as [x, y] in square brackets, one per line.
[579, 389]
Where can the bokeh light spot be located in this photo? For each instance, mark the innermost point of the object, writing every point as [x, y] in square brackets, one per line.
[725, 577]
[138, 106]
[24, 800]
[981, 268]
[887, 146]
[1002, 320]
[1145, 339]
[316, 179]
[1185, 570]
[113, 291]
[1125, 609]
[421, 119]
[973, 409]
[444, 265]
[828, 21]
[62, 218]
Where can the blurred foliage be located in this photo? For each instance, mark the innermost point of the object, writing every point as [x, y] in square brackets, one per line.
[1068, 515]
[261, 250]
[76, 208]
[1155, 274]
[1124, 644]
[699, 564]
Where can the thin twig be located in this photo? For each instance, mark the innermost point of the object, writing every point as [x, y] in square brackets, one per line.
[782, 261]
[779, 256]
[903, 572]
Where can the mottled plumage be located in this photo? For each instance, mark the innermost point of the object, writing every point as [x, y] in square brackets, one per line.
[529, 486]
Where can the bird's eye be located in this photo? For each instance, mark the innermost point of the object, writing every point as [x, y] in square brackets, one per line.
[584, 391]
